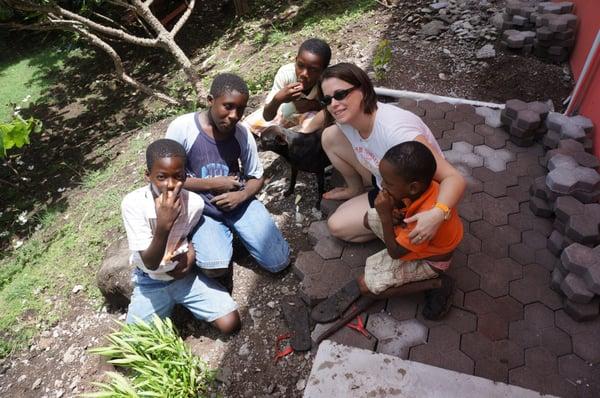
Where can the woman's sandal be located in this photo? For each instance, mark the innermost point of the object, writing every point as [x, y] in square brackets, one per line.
[334, 306]
[438, 301]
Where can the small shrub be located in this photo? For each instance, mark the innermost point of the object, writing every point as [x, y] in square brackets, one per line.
[381, 58]
[157, 363]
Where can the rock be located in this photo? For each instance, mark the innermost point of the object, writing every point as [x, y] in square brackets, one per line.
[244, 350]
[432, 28]
[77, 289]
[438, 6]
[36, 383]
[70, 354]
[114, 277]
[21, 378]
[301, 384]
[486, 51]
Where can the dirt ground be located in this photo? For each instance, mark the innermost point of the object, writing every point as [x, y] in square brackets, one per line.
[57, 363]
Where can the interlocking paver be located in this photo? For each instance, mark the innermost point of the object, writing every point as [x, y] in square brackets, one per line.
[438, 127]
[534, 239]
[479, 302]
[355, 254]
[318, 230]
[587, 345]
[477, 346]
[329, 247]
[542, 360]
[396, 337]
[521, 254]
[583, 312]
[307, 263]
[497, 210]
[576, 289]
[492, 116]
[405, 307]
[539, 316]
[316, 287]
[556, 341]
[492, 326]
[470, 244]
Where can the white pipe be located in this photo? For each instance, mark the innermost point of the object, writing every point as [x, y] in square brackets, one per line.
[573, 106]
[432, 97]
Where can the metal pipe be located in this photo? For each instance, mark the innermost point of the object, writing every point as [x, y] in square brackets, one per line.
[583, 77]
[388, 92]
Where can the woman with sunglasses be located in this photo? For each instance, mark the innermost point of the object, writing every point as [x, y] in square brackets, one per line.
[364, 130]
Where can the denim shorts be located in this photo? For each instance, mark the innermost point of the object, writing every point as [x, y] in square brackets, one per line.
[257, 231]
[205, 298]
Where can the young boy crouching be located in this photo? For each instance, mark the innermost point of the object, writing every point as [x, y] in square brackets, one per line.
[158, 219]
[403, 267]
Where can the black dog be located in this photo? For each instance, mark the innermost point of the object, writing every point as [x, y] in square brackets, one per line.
[303, 151]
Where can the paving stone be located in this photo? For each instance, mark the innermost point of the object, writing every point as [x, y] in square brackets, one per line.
[477, 346]
[577, 258]
[470, 211]
[463, 135]
[404, 307]
[572, 131]
[307, 263]
[493, 326]
[528, 119]
[526, 377]
[545, 258]
[587, 345]
[464, 279]
[561, 180]
[561, 160]
[496, 210]
[317, 287]
[470, 244]
[455, 116]
[508, 308]
[355, 254]
[534, 239]
[567, 206]
[318, 230]
[557, 278]
[556, 341]
[444, 338]
[329, 247]
[492, 369]
[541, 207]
[514, 106]
[438, 127]
[578, 372]
[576, 289]
[532, 287]
[524, 334]
[509, 352]
[581, 228]
[496, 282]
[539, 316]
[542, 360]
[521, 253]
[396, 337]
[551, 139]
[583, 312]
[479, 302]
[492, 116]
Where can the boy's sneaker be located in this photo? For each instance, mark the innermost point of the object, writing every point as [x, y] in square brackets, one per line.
[438, 301]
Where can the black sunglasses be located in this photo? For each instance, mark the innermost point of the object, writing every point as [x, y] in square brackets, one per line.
[338, 95]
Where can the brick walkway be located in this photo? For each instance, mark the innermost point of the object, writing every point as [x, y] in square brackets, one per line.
[506, 324]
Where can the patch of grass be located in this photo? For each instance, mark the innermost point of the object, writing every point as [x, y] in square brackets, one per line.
[36, 280]
[26, 76]
[158, 362]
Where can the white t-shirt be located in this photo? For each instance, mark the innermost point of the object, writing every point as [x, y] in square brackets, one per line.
[287, 75]
[139, 216]
[392, 126]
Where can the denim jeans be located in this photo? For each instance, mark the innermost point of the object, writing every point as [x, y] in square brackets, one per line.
[256, 229]
[206, 299]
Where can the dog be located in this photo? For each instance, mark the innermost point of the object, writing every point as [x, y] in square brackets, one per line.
[302, 151]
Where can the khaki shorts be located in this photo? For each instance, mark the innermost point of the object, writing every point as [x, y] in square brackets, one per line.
[383, 272]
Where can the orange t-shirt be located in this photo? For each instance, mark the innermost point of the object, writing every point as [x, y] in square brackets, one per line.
[447, 237]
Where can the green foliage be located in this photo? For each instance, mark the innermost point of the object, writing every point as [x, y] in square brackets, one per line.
[156, 359]
[382, 57]
[16, 133]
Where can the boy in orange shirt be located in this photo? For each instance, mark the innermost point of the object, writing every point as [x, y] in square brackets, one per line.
[403, 267]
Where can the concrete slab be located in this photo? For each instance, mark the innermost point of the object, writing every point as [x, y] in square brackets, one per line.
[340, 371]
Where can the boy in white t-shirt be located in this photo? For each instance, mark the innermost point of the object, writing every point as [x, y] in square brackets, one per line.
[294, 97]
[158, 219]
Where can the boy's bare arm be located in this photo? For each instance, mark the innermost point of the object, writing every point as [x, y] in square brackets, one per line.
[168, 206]
[215, 184]
[384, 204]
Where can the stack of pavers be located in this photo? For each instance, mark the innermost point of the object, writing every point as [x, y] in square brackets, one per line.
[570, 192]
[547, 28]
[525, 122]
[555, 31]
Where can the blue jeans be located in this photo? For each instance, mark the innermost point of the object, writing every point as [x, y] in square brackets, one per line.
[252, 222]
[206, 299]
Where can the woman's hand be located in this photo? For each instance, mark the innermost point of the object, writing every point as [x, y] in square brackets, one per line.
[428, 223]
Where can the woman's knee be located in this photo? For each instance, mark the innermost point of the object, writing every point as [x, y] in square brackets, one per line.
[229, 323]
[338, 226]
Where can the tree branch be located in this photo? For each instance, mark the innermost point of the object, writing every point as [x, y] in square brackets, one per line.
[184, 18]
[98, 42]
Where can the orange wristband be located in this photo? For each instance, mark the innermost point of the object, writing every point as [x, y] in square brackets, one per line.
[444, 208]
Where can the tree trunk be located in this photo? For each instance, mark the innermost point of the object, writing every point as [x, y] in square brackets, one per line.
[241, 7]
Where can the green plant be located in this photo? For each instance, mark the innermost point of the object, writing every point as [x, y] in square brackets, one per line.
[16, 133]
[382, 57]
[158, 363]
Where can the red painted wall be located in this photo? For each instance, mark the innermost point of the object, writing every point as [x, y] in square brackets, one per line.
[588, 12]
